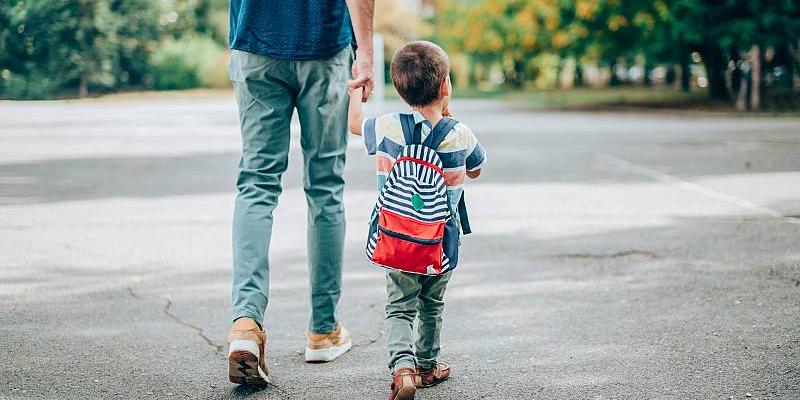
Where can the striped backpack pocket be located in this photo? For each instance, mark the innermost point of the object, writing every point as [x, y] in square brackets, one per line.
[413, 227]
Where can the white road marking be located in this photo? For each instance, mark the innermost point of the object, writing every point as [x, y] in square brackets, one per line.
[693, 187]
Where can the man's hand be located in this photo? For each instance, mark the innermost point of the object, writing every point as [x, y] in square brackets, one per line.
[361, 12]
[363, 73]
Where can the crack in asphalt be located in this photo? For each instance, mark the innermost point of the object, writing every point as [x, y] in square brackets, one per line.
[218, 348]
[133, 294]
[782, 274]
[370, 341]
[200, 332]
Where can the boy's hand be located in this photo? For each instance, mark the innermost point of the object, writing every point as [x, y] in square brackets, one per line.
[355, 115]
[446, 112]
[355, 92]
[362, 74]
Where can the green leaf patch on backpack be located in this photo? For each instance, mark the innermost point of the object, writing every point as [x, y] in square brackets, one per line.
[416, 202]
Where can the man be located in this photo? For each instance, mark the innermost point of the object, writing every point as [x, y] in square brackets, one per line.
[292, 54]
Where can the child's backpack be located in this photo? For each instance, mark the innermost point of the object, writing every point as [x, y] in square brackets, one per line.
[413, 226]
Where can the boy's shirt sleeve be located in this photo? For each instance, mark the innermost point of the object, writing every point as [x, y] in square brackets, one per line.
[370, 135]
[476, 154]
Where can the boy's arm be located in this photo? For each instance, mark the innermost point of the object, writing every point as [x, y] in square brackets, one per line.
[476, 158]
[475, 173]
[355, 114]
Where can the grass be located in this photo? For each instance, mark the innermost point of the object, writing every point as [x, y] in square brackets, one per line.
[634, 98]
[617, 98]
[598, 98]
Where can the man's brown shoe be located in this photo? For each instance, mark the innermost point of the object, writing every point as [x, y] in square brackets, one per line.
[246, 358]
[433, 376]
[324, 347]
[403, 387]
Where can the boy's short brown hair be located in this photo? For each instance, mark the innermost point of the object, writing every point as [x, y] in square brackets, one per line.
[418, 69]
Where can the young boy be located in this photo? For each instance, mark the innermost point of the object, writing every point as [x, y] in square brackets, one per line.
[420, 72]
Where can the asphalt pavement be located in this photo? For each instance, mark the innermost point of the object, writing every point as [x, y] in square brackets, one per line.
[614, 256]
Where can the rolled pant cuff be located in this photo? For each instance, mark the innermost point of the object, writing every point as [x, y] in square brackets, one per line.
[427, 364]
[322, 329]
[403, 364]
[249, 314]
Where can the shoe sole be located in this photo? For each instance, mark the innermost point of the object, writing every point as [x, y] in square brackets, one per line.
[243, 369]
[406, 393]
[422, 385]
[326, 355]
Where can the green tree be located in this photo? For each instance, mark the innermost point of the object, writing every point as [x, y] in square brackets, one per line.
[137, 41]
[507, 32]
[195, 17]
[49, 46]
[36, 43]
[609, 31]
[728, 26]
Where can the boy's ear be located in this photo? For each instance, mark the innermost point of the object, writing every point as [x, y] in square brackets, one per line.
[444, 88]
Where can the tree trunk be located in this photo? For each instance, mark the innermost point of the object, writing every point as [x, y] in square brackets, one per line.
[578, 74]
[83, 87]
[784, 54]
[670, 77]
[755, 91]
[614, 81]
[646, 77]
[516, 77]
[472, 73]
[741, 98]
[790, 68]
[559, 71]
[736, 74]
[715, 70]
[686, 72]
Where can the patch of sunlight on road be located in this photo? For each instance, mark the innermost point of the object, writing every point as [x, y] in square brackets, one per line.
[87, 241]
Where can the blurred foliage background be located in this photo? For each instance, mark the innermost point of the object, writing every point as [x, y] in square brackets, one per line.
[71, 47]
[739, 53]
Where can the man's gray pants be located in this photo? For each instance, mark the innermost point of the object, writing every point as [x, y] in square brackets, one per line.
[267, 92]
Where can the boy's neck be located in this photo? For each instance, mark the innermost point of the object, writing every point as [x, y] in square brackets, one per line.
[431, 112]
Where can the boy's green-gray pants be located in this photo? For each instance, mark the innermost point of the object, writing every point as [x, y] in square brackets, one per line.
[267, 92]
[409, 296]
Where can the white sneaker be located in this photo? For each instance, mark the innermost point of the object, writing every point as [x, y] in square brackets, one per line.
[246, 358]
[324, 347]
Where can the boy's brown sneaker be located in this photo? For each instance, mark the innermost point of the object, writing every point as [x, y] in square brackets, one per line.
[246, 358]
[433, 376]
[324, 347]
[403, 387]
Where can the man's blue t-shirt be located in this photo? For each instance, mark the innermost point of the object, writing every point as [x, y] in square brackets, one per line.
[290, 29]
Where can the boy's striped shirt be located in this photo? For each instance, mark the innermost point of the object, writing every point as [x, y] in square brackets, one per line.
[459, 152]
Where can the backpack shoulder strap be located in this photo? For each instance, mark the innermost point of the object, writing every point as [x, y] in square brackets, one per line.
[411, 131]
[439, 132]
[462, 213]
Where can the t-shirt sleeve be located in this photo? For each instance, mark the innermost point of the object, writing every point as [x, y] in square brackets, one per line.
[370, 135]
[476, 154]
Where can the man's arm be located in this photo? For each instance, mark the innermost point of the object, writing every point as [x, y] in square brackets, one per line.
[355, 115]
[361, 13]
